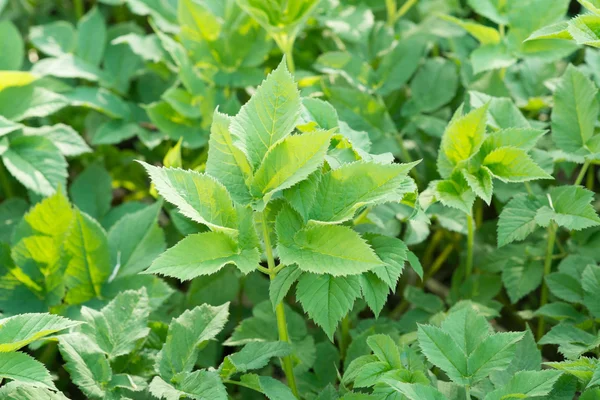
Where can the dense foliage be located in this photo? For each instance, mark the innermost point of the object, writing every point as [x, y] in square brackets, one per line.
[307, 199]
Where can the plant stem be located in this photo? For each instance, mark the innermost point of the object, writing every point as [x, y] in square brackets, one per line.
[390, 6]
[404, 9]
[470, 241]
[582, 172]
[286, 361]
[437, 264]
[468, 392]
[344, 336]
[7, 188]
[78, 5]
[591, 178]
[552, 229]
[286, 45]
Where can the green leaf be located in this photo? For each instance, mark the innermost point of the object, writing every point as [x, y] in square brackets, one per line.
[19, 331]
[25, 369]
[511, 164]
[455, 193]
[591, 286]
[493, 354]
[570, 208]
[575, 112]
[290, 161]
[521, 138]
[91, 38]
[521, 279]
[385, 350]
[67, 66]
[175, 125]
[375, 291]
[572, 341]
[120, 324]
[462, 138]
[36, 163]
[327, 299]
[199, 197]
[526, 384]
[414, 391]
[327, 249]
[198, 385]
[481, 183]
[186, 333]
[517, 219]
[86, 363]
[434, 85]
[256, 355]
[226, 162]
[344, 190]
[91, 191]
[64, 137]
[565, 287]
[54, 39]
[136, 240]
[12, 47]
[21, 102]
[89, 265]
[270, 115]
[282, 283]
[185, 261]
[484, 34]
[98, 99]
[441, 350]
[393, 252]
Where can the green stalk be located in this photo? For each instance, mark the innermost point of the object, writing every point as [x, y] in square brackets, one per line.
[7, 188]
[470, 242]
[582, 172]
[591, 178]
[286, 361]
[286, 45]
[78, 5]
[344, 336]
[405, 8]
[468, 392]
[552, 229]
[390, 6]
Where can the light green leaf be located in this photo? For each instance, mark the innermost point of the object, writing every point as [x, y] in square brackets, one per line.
[526, 384]
[226, 162]
[186, 333]
[25, 369]
[385, 349]
[480, 182]
[199, 197]
[200, 385]
[570, 208]
[521, 138]
[55, 39]
[18, 331]
[21, 102]
[484, 34]
[517, 219]
[175, 125]
[290, 161]
[455, 193]
[67, 66]
[256, 355]
[393, 252]
[202, 254]
[414, 391]
[120, 324]
[64, 137]
[37, 163]
[493, 354]
[327, 249]
[98, 99]
[91, 191]
[12, 47]
[282, 283]
[136, 240]
[344, 190]
[86, 363]
[434, 85]
[91, 38]
[270, 115]
[441, 350]
[462, 138]
[591, 286]
[89, 264]
[511, 164]
[575, 112]
[375, 291]
[327, 299]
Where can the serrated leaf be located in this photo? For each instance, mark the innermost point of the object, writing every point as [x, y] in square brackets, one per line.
[375, 291]
[25, 369]
[521, 279]
[494, 353]
[572, 341]
[570, 208]
[86, 363]
[290, 161]
[441, 350]
[198, 385]
[455, 193]
[481, 183]
[343, 190]
[37, 163]
[385, 349]
[511, 164]
[565, 287]
[517, 219]
[393, 252]
[202, 254]
[327, 299]
[415, 391]
[270, 115]
[89, 264]
[575, 112]
[256, 355]
[462, 138]
[198, 196]
[226, 162]
[526, 384]
[282, 283]
[328, 249]
[186, 333]
[21, 330]
[91, 191]
[118, 326]
[590, 281]
[135, 241]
